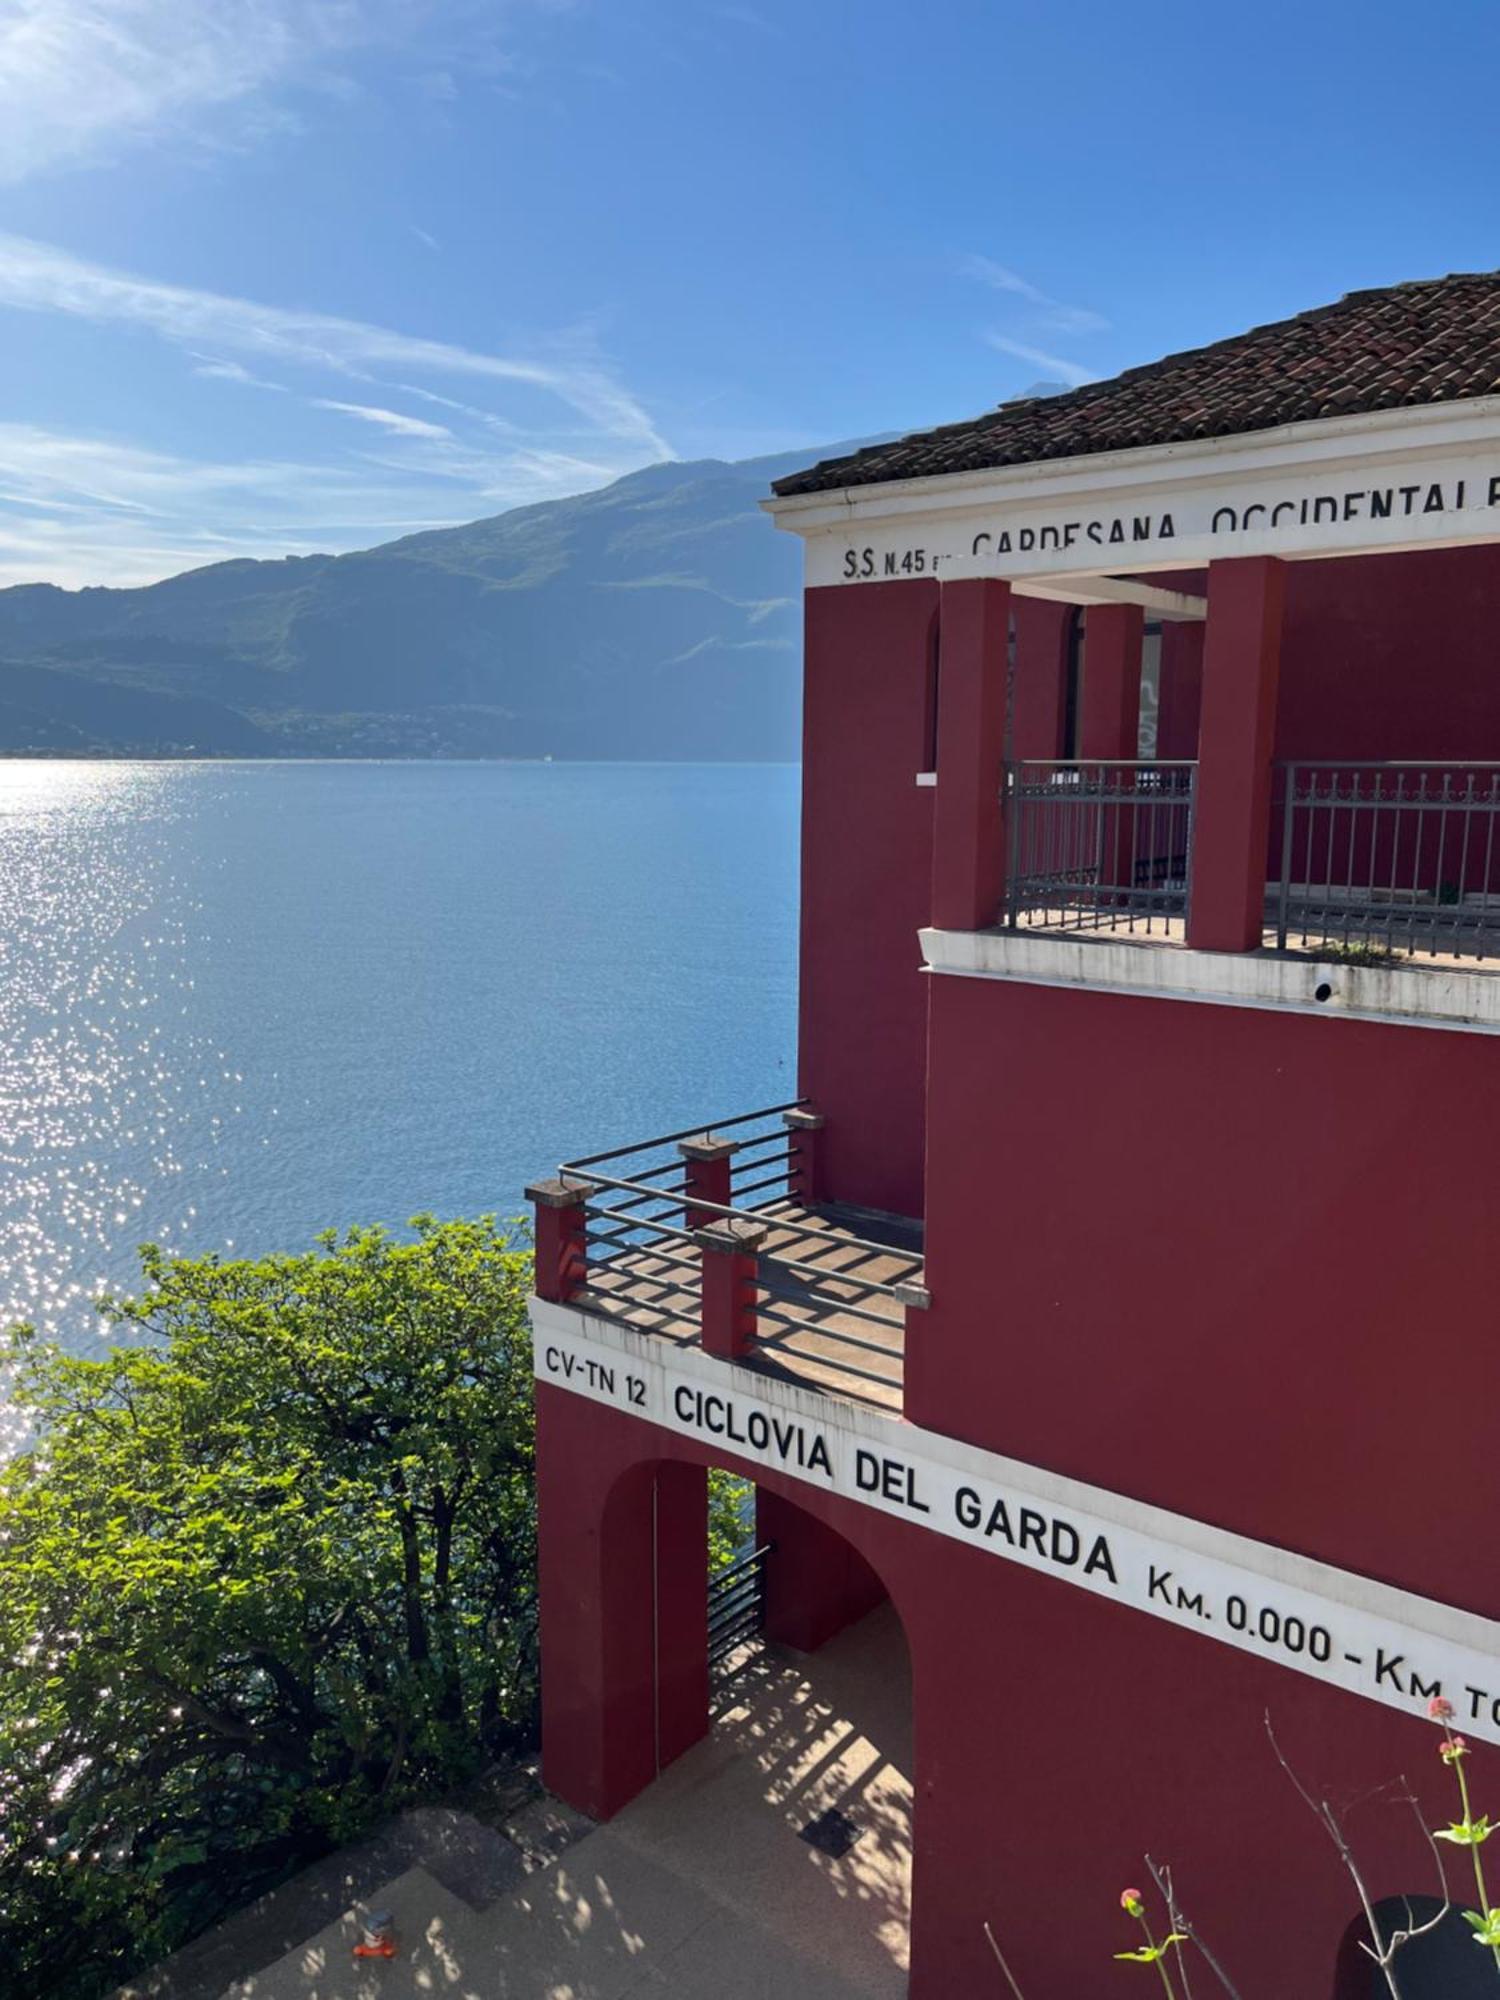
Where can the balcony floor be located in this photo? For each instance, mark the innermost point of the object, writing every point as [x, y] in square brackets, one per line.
[1434, 941]
[811, 1331]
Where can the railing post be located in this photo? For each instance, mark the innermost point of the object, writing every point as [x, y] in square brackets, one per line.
[1284, 891]
[805, 1168]
[561, 1244]
[707, 1175]
[729, 1245]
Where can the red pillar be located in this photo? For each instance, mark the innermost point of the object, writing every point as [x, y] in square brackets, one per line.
[729, 1244]
[806, 1164]
[1241, 666]
[1181, 688]
[682, 1684]
[708, 1166]
[968, 859]
[561, 1247]
[816, 1582]
[1110, 707]
[622, 1561]
[1039, 701]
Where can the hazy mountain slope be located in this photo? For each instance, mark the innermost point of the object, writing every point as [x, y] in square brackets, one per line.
[658, 617]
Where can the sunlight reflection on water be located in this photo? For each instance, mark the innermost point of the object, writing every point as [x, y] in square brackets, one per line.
[241, 1003]
[105, 1094]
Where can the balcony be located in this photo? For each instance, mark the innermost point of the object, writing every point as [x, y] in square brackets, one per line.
[1373, 864]
[715, 1237]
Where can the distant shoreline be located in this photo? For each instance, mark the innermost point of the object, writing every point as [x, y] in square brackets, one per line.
[293, 757]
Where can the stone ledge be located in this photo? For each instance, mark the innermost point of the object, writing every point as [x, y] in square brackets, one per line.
[1401, 995]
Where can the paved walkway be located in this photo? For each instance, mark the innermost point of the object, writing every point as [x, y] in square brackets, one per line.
[700, 1890]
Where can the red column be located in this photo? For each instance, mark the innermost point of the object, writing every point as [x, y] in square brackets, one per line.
[1241, 666]
[624, 1618]
[968, 858]
[729, 1245]
[682, 1687]
[1039, 701]
[1181, 688]
[806, 1164]
[561, 1249]
[707, 1175]
[1110, 707]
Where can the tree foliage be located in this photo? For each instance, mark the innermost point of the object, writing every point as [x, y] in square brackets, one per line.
[266, 1573]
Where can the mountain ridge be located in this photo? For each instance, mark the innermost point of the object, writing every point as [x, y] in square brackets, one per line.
[656, 616]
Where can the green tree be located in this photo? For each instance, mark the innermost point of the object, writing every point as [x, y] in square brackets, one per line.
[266, 1572]
[731, 1518]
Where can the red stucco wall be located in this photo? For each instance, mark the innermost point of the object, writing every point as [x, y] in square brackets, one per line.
[1392, 656]
[1235, 1262]
[1057, 1738]
[866, 881]
[1382, 657]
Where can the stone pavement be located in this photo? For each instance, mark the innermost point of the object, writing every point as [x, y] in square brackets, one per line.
[701, 1887]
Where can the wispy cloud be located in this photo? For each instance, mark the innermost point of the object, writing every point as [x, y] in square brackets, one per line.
[36, 277]
[390, 420]
[746, 17]
[1050, 312]
[76, 74]
[231, 371]
[1056, 364]
[78, 509]
[80, 79]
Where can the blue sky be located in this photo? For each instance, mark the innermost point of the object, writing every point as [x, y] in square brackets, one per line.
[280, 275]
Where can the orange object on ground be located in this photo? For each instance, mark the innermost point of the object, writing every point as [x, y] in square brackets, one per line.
[377, 1936]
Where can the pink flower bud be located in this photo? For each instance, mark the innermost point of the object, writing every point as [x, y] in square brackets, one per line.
[1452, 1748]
[1440, 1709]
[1131, 1902]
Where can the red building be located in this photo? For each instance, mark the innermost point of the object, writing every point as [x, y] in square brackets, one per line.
[1120, 1296]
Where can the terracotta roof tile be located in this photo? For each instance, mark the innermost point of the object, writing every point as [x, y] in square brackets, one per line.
[1435, 341]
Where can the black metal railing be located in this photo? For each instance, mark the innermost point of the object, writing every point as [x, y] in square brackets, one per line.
[643, 1261]
[737, 1606]
[1098, 846]
[1387, 858]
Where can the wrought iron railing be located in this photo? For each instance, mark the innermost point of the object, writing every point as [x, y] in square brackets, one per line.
[1387, 858]
[1098, 846]
[737, 1606]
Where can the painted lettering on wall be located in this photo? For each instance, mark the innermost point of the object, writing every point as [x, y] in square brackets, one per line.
[1347, 1630]
[1388, 502]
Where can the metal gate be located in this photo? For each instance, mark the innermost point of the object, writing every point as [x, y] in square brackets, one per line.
[737, 1606]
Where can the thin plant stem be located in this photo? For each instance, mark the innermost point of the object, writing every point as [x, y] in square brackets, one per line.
[1180, 1921]
[1161, 1963]
[1324, 1812]
[1456, 1759]
[1010, 1977]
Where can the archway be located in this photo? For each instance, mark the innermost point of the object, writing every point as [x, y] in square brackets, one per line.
[781, 1806]
[795, 1811]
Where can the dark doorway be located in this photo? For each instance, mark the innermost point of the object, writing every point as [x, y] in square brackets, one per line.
[1445, 1964]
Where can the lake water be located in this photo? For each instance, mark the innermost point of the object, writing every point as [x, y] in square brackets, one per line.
[241, 1003]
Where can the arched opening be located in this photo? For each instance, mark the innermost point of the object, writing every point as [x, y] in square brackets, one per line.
[799, 1801]
[1443, 1963]
[770, 1802]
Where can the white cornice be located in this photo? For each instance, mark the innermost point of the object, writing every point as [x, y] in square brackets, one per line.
[1404, 995]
